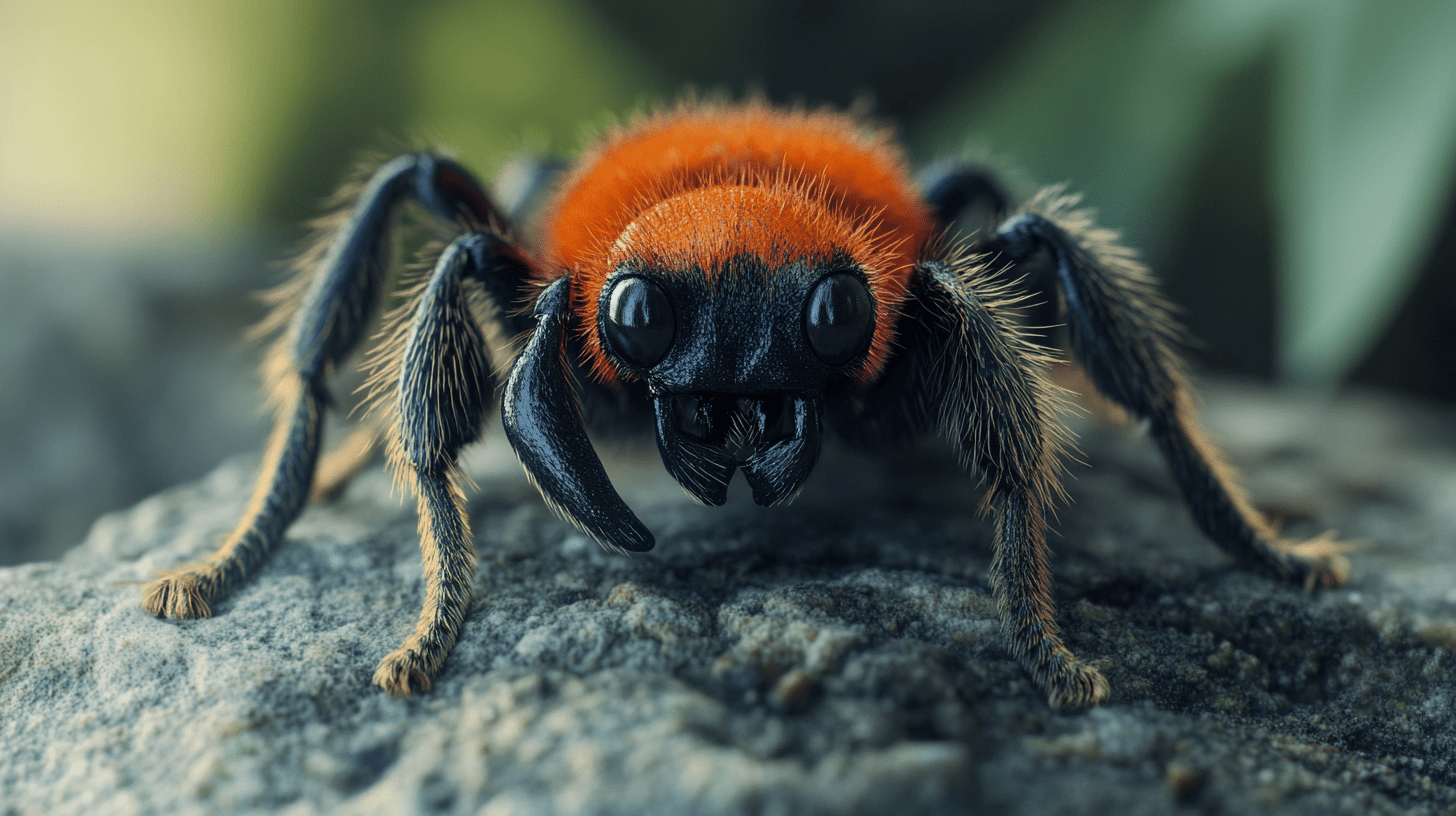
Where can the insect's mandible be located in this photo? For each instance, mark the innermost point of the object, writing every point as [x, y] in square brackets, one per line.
[744, 280]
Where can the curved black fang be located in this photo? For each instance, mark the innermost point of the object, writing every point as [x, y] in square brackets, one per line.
[544, 426]
[703, 438]
[777, 472]
[703, 470]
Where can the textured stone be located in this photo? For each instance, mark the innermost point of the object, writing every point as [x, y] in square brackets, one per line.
[838, 656]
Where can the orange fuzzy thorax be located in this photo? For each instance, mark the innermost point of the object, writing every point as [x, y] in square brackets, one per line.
[695, 187]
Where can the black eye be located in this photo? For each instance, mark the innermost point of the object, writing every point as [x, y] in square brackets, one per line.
[640, 322]
[839, 318]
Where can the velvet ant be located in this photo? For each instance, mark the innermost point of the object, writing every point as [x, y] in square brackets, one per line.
[742, 279]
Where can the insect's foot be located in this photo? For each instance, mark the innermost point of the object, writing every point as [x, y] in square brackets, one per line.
[1079, 685]
[182, 595]
[1320, 562]
[403, 671]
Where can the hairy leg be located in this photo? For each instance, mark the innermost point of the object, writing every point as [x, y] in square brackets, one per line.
[435, 382]
[323, 313]
[954, 189]
[967, 372]
[1125, 336]
[279, 497]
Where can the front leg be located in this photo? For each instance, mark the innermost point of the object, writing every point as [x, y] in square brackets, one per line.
[1022, 581]
[967, 372]
[324, 312]
[1000, 414]
[442, 372]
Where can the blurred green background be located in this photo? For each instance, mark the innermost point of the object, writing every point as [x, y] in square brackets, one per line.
[1286, 166]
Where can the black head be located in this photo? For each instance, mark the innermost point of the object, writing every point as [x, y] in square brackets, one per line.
[737, 361]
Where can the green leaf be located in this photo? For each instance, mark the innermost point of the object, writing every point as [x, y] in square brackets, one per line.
[1365, 148]
[1113, 97]
[499, 79]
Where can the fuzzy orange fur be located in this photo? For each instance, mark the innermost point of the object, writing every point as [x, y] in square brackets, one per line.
[692, 185]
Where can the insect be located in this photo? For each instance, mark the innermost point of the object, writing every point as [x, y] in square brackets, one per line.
[741, 280]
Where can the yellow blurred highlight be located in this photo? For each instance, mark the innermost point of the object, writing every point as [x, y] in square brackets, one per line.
[162, 117]
[139, 117]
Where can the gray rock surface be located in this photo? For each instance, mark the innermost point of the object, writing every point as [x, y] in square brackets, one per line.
[837, 656]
